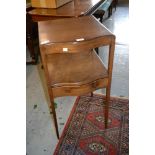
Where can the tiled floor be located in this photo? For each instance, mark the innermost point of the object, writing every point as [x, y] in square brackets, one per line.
[41, 136]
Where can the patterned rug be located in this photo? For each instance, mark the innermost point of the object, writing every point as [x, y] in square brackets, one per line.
[85, 134]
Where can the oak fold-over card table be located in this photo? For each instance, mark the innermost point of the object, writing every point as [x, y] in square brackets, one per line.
[75, 8]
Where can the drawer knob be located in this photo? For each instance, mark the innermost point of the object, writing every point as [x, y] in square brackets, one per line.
[65, 50]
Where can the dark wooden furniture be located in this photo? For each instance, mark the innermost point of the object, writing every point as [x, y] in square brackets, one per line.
[99, 14]
[71, 66]
[76, 8]
[108, 5]
[31, 37]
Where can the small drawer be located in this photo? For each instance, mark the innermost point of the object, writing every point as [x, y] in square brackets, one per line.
[80, 90]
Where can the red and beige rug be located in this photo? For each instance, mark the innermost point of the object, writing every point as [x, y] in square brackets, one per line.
[85, 134]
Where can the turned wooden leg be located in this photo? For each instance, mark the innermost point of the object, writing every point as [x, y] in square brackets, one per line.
[106, 112]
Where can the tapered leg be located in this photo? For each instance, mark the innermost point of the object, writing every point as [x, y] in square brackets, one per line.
[50, 92]
[91, 94]
[106, 112]
[110, 66]
[54, 114]
[55, 118]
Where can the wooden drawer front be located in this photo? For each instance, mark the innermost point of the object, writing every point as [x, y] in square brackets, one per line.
[80, 90]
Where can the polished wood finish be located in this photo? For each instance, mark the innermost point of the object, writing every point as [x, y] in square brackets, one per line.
[71, 66]
[66, 81]
[57, 30]
[48, 3]
[75, 8]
